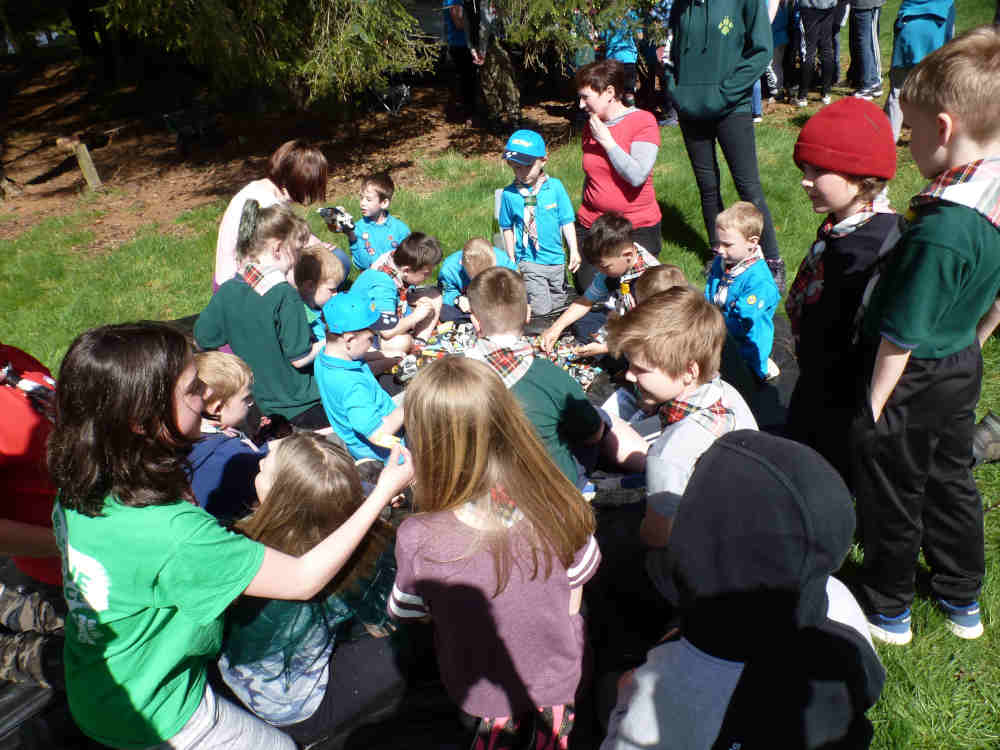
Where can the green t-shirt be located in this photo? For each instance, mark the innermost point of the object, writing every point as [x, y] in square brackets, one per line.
[941, 280]
[146, 590]
[269, 332]
[558, 408]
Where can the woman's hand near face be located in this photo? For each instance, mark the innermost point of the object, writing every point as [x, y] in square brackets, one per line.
[601, 132]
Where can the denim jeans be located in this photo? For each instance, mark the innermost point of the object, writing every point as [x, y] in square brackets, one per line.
[865, 48]
[735, 135]
[755, 102]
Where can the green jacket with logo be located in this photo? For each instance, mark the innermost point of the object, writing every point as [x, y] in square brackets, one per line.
[719, 49]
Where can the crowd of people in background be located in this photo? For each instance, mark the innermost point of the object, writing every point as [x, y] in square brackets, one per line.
[256, 527]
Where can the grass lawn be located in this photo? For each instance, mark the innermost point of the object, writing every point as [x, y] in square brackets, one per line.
[941, 692]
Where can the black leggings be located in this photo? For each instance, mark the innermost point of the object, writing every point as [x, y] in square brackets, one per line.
[734, 133]
[817, 26]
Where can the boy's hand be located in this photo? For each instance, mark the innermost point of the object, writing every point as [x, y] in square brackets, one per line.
[549, 338]
[398, 472]
[590, 350]
[574, 262]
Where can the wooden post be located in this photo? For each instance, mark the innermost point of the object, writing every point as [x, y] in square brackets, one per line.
[75, 146]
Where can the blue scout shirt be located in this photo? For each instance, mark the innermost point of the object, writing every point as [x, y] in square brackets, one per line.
[747, 302]
[354, 402]
[379, 287]
[453, 279]
[553, 211]
[372, 239]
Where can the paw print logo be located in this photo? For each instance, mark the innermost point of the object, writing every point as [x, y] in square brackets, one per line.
[726, 25]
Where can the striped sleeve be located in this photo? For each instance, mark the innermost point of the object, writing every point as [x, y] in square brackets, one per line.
[405, 606]
[584, 564]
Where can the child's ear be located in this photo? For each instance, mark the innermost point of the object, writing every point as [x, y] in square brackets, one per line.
[754, 240]
[214, 409]
[692, 373]
[945, 125]
[384, 204]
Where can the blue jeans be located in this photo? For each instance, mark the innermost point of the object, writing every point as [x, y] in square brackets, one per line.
[865, 47]
[755, 101]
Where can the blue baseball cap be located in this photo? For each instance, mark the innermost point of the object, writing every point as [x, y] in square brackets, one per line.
[523, 147]
[346, 313]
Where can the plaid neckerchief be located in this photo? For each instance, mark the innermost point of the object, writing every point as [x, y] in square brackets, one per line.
[704, 407]
[530, 196]
[807, 287]
[262, 279]
[729, 275]
[387, 265]
[510, 362]
[975, 185]
[643, 261]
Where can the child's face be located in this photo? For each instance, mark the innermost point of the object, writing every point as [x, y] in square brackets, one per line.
[372, 205]
[733, 246]
[265, 476]
[189, 401]
[234, 409]
[926, 140]
[654, 384]
[614, 266]
[415, 277]
[322, 294]
[358, 342]
[831, 192]
[527, 174]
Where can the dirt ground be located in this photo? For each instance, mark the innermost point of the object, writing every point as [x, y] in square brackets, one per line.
[147, 180]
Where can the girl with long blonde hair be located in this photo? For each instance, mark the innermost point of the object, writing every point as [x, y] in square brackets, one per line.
[497, 555]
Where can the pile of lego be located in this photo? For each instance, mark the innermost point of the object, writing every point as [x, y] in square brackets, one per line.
[456, 339]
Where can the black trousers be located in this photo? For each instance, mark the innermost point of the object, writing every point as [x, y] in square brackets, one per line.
[817, 28]
[913, 481]
[735, 136]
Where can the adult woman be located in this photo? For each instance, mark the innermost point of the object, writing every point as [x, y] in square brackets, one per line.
[296, 173]
[620, 144]
[718, 50]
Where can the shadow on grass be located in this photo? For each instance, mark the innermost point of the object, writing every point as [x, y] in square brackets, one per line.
[675, 228]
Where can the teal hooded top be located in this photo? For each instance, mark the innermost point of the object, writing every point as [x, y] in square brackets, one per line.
[719, 48]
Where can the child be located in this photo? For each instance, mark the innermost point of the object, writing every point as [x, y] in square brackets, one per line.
[741, 285]
[564, 419]
[921, 27]
[673, 342]
[536, 215]
[619, 261]
[763, 526]
[296, 664]
[377, 232]
[318, 276]
[390, 282]
[224, 461]
[147, 574]
[497, 554]
[359, 411]
[847, 155]
[912, 438]
[458, 269]
[260, 315]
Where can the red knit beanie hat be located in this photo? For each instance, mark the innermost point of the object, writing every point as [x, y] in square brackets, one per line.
[851, 136]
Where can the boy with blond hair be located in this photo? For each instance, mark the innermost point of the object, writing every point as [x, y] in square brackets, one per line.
[619, 262]
[741, 285]
[377, 231]
[318, 275]
[225, 461]
[566, 422]
[932, 307]
[460, 268]
[673, 343]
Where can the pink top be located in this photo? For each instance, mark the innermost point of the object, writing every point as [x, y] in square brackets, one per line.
[606, 190]
[266, 193]
[498, 656]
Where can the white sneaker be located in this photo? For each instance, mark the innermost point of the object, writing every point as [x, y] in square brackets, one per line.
[802, 103]
[826, 99]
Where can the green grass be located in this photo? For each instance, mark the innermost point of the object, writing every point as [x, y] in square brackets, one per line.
[940, 693]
